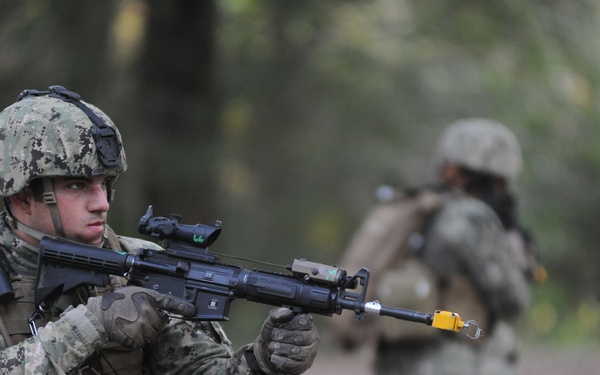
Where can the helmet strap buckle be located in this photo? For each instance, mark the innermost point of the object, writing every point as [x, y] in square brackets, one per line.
[50, 200]
[49, 197]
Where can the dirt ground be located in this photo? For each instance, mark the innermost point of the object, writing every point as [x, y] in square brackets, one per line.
[536, 360]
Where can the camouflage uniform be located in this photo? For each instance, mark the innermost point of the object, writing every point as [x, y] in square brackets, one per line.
[465, 245]
[52, 134]
[440, 248]
[73, 337]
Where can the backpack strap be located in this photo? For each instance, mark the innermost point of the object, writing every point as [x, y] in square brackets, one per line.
[4, 335]
[15, 314]
[6, 294]
[6, 291]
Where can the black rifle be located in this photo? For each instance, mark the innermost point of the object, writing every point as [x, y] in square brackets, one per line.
[188, 270]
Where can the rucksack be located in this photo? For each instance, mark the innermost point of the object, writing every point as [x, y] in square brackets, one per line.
[386, 237]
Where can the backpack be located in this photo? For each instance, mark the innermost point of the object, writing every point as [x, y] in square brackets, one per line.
[383, 243]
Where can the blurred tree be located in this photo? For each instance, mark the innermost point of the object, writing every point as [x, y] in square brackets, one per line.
[175, 110]
[268, 48]
[53, 42]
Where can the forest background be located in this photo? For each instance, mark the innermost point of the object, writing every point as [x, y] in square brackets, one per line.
[281, 118]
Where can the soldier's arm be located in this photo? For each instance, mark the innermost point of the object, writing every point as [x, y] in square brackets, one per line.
[59, 347]
[197, 348]
[184, 347]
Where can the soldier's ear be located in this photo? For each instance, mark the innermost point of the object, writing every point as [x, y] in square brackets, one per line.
[20, 203]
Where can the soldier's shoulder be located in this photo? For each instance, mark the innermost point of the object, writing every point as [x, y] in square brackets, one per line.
[464, 217]
[469, 207]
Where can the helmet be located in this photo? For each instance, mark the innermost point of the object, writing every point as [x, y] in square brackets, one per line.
[481, 145]
[54, 133]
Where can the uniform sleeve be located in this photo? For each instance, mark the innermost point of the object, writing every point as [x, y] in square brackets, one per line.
[60, 346]
[467, 237]
[188, 348]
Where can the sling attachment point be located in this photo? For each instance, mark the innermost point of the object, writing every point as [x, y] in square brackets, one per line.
[32, 318]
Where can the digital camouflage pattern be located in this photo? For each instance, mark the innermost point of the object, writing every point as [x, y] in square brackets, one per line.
[467, 237]
[461, 256]
[63, 345]
[45, 136]
[481, 145]
[466, 247]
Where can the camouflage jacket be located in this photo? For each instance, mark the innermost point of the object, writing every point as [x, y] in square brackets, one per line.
[465, 263]
[466, 238]
[73, 336]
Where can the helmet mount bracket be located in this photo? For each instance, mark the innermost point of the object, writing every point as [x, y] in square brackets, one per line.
[105, 137]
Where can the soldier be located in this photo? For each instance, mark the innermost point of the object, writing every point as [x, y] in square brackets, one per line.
[453, 246]
[60, 157]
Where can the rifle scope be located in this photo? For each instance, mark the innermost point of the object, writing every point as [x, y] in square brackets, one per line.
[199, 235]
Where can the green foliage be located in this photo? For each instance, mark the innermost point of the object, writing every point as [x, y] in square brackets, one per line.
[559, 317]
[363, 103]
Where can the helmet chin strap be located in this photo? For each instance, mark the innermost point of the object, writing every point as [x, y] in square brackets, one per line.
[14, 224]
[50, 200]
[34, 233]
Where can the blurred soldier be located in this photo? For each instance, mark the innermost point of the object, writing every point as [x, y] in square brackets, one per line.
[60, 157]
[453, 246]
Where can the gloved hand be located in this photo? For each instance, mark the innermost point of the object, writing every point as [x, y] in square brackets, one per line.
[287, 343]
[132, 315]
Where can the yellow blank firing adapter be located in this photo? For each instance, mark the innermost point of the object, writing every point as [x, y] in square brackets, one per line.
[451, 321]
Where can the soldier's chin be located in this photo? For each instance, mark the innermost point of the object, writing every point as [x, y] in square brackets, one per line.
[93, 239]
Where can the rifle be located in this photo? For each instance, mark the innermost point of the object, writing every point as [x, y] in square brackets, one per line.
[187, 269]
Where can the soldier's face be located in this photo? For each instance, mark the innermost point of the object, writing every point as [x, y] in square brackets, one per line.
[83, 206]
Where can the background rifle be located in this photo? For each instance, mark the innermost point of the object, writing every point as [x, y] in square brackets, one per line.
[188, 270]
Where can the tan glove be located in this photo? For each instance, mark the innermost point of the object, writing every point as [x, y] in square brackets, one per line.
[287, 343]
[132, 316]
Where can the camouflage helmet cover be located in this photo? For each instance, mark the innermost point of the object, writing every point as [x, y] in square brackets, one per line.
[481, 145]
[43, 136]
